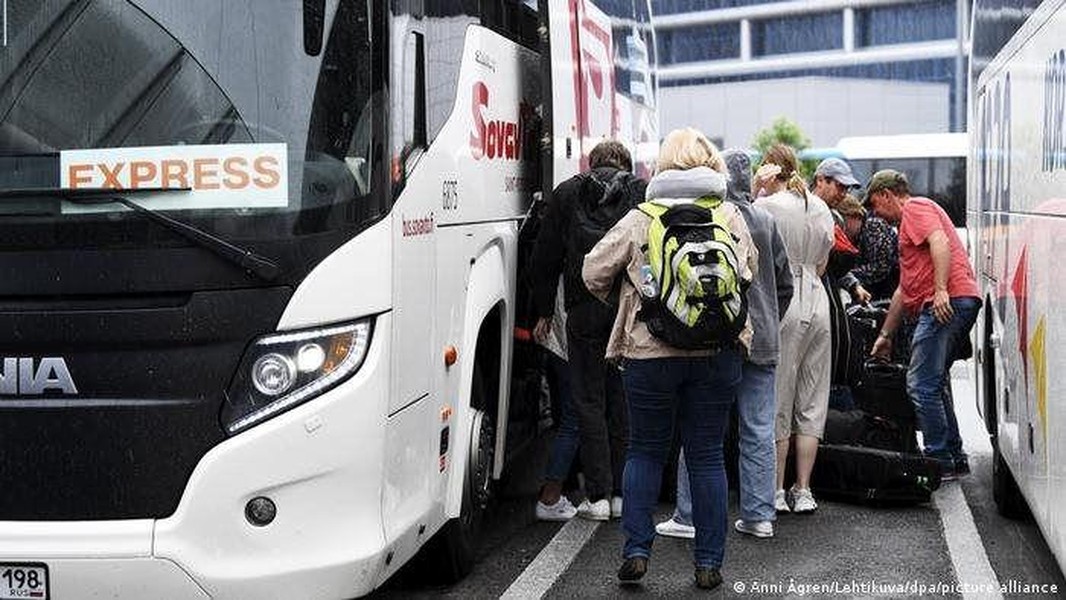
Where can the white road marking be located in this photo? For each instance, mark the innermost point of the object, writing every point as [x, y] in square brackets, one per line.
[552, 561]
[972, 569]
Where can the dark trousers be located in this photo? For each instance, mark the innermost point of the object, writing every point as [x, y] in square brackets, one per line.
[598, 399]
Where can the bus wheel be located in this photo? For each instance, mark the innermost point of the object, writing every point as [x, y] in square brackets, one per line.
[459, 536]
[1009, 500]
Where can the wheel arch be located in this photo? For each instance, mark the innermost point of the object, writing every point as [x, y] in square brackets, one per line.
[487, 324]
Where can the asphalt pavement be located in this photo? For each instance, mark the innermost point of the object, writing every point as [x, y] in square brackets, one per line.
[949, 548]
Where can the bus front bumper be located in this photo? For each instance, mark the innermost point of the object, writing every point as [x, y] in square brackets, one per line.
[320, 464]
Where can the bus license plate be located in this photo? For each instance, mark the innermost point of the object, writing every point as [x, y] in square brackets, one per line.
[23, 580]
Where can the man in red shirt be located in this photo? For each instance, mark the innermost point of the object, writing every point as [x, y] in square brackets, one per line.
[936, 287]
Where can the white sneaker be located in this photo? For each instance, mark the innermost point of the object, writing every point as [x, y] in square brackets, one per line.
[562, 510]
[616, 507]
[781, 502]
[671, 528]
[759, 529]
[803, 501]
[599, 510]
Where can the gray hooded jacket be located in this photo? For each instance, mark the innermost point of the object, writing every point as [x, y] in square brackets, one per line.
[771, 290]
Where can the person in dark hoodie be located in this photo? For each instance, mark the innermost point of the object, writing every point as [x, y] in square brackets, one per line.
[581, 210]
[768, 299]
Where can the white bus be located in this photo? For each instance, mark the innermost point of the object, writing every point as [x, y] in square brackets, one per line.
[1017, 221]
[258, 277]
[935, 164]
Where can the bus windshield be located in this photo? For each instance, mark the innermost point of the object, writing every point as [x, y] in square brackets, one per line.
[272, 137]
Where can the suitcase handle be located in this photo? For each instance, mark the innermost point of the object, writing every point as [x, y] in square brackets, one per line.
[883, 365]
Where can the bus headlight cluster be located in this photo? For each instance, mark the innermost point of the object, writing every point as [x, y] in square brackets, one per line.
[280, 371]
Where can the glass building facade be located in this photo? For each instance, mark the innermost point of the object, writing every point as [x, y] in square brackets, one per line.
[718, 41]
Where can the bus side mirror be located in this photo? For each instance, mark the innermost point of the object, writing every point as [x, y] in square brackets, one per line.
[314, 23]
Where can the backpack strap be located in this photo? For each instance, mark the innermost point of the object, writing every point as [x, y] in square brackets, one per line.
[708, 202]
[654, 250]
[652, 209]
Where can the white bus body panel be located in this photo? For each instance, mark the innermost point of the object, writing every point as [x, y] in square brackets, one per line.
[1017, 216]
[914, 145]
[587, 107]
[354, 281]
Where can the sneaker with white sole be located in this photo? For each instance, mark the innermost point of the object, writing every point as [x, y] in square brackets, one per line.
[781, 502]
[616, 507]
[599, 510]
[671, 528]
[803, 501]
[562, 510]
[759, 529]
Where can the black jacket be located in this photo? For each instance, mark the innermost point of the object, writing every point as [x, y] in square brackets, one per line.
[550, 255]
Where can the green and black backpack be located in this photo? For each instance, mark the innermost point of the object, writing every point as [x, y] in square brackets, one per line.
[696, 299]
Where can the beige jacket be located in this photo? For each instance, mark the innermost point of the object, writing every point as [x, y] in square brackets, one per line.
[621, 249]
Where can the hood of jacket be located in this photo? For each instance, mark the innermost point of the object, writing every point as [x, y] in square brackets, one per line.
[739, 164]
[685, 186]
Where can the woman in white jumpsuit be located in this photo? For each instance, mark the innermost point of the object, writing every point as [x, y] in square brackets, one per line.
[806, 226]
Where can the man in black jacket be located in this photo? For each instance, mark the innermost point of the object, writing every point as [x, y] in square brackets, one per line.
[581, 210]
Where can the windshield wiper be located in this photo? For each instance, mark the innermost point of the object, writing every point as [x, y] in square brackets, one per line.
[257, 264]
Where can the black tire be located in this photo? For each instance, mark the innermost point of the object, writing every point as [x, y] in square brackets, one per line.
[1009, 499]
[458, 539]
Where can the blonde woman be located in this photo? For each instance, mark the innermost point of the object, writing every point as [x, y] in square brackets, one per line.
[663, 383]
[806, 225]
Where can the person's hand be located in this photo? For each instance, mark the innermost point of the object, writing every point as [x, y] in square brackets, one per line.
[882, 348]
[942, 310]
[860, 294]
[542, 329]
[763, 176]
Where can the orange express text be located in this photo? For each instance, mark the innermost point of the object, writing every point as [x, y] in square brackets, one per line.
[214, 173]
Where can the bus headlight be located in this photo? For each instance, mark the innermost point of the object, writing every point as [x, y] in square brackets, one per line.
[280, 371]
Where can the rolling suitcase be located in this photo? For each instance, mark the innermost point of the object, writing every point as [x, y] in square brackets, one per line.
[874, 476]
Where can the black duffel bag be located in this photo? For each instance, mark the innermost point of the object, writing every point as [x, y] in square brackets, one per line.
[882, 392]
[874, 476]
[858, 428]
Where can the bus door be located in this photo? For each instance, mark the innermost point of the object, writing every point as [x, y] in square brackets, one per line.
[413, 407]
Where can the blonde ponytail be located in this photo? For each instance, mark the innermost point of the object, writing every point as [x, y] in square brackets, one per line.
[796, 185]
[785, 157]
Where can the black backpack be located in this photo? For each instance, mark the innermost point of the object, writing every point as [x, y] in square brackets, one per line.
[600, 205]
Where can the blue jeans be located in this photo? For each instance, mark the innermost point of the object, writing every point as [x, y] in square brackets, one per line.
[564, 447]
[698, 391]
[928, 380]
[756, 410]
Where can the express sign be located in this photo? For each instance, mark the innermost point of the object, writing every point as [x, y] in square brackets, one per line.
[219, 176]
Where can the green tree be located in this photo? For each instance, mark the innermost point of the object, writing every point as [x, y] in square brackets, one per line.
[785, 131]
